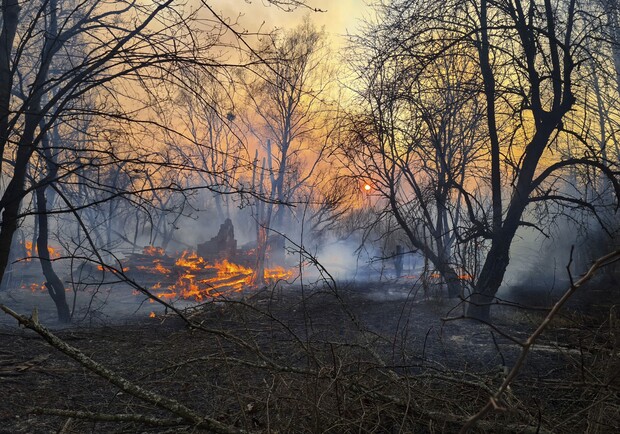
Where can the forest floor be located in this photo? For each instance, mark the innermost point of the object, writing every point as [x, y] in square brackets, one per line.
[361, 358]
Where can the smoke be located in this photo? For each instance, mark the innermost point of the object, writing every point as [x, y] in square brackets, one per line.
[542, 265]
[341, 259]
[350, 260]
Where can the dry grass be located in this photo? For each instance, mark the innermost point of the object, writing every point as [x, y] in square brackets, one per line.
[318, 361]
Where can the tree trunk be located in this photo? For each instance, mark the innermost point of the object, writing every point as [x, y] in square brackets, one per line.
[490, 280]
[258, 278]
[10, 18]
[53, 283]
[263, 220]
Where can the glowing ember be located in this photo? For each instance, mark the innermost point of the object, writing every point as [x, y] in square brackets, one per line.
[153, 251]
[113, 270]
[463, 276]
[278, 273]
[191, 260]
[157, 267]
[35, 287]
[152, 315]
[54, 252]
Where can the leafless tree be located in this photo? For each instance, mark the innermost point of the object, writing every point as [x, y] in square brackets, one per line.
[289, 100]
[419, 137]
[524, 56]
[66, 61]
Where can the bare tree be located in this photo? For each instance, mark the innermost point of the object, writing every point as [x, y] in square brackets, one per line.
[525, 57]
[289, 101]
[419, 137]
[63, 61]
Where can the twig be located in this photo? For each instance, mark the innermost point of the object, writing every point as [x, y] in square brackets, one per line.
[106, 417]
[496, 397]
[161, 401]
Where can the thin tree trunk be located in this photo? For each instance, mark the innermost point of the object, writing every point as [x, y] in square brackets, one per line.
[262, 225]
[53, 283]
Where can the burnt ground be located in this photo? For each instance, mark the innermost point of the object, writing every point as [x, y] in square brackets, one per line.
[359, 358]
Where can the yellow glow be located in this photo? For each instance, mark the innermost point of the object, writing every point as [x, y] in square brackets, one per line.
[339, 17]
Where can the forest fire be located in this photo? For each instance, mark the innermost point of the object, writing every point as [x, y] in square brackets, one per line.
[35, 287]
[153, 251]
[190, 260]
[157, 267]
[189, 285]
[190, 276]
[32, 250]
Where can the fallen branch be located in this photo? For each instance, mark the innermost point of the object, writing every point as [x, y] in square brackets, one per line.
[106, 417]
[494, 400]
[189, 415]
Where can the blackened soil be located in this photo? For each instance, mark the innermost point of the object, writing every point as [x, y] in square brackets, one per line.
[357, 358]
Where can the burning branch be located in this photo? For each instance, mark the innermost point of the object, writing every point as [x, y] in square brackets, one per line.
[494, 400]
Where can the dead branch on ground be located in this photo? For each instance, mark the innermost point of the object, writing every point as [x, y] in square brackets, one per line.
[495, 400]
[173, 406]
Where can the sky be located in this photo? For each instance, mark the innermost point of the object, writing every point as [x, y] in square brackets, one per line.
[340, 16]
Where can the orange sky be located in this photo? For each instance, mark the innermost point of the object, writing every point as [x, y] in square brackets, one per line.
[341, 16]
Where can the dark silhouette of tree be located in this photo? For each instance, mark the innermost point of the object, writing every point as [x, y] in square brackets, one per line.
[525, 59]
[102, 70]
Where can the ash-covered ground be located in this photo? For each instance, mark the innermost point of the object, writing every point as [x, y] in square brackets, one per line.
[371, 357]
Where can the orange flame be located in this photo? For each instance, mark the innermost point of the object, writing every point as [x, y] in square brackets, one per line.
[53, 251]
[278, 273]
[463, 276]
[157, 267]
[35, 287]
[190, 260]
[153, 251]
[231, 276]
[152, 315]
[113, 270]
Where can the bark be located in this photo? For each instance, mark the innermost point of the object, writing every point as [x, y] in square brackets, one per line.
[547, 123]
[491, 277]
[10, 18]
[15, 191]
[53, 283]
[261, 250]
[263, 221]
[489, 91]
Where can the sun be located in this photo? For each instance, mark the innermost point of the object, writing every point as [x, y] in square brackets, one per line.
[367, 187]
